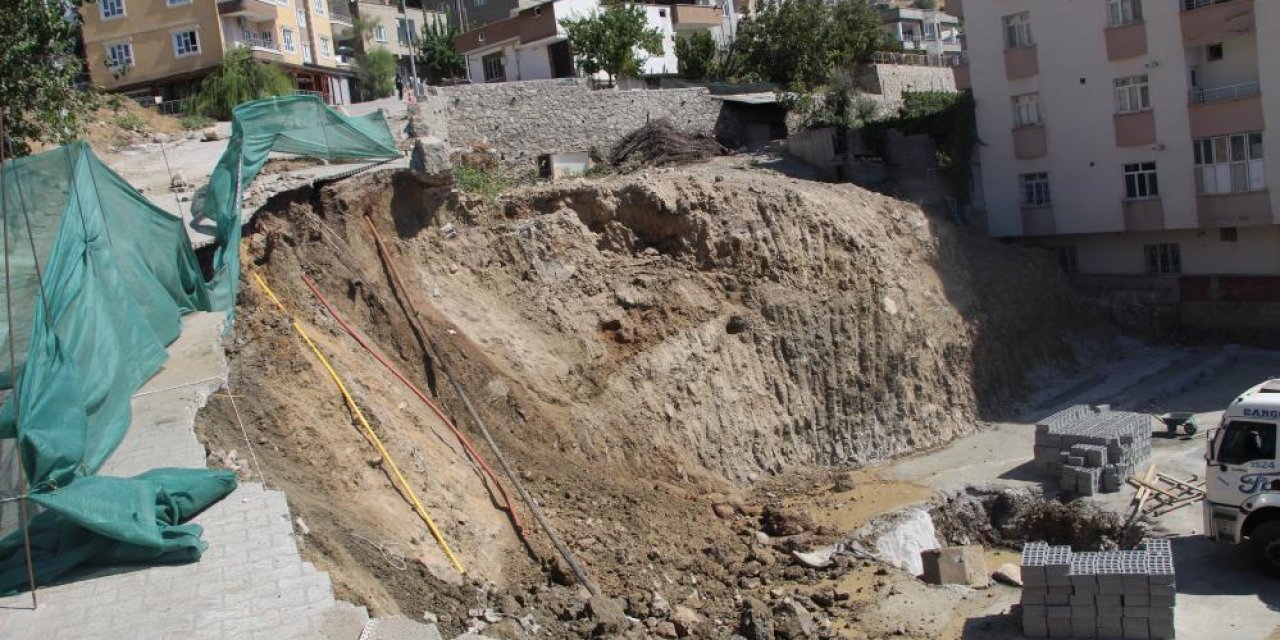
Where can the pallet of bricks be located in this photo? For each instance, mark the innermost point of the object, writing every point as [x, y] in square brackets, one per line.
[1092, 450]
[1105, 594]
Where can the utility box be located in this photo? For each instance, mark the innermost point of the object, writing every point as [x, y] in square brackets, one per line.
[563, 165]
[956, 565]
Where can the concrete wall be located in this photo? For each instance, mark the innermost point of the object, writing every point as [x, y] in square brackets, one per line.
[521, 120]
[1255, 252]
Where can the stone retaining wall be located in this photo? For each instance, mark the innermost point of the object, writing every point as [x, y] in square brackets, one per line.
[522, 120]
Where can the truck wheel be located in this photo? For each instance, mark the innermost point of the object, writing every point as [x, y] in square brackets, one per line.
[1191, 428]
[1265, 544]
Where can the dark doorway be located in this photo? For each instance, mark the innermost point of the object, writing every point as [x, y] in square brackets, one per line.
[561, 60]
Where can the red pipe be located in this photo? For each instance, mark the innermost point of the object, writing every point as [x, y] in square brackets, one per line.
[462, 438]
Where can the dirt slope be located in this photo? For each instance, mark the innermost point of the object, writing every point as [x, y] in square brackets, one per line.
[638, 344]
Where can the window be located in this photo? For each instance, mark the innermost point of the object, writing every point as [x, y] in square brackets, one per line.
[1133, 94]
[1214, 52]
[493, 69]
[404, 31]
[1140, 181]
[380, 33]
[109, 9]
[176, 3]
[119, 55]
[1017, 30]
[302, 18]
[1026, 110]
[1068, 259]
[324, 46]
[1035, 189]
[1244, 442]
[286, 36]
[477, 3]
[1163, 258]
[1122, 12]
[1228, 234]
[1229, 164]
[318, 7]
[185, 43]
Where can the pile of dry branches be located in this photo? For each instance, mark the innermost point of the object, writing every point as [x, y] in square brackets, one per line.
[660, 143]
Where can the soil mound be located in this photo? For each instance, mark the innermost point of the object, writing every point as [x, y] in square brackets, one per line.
[643, 347]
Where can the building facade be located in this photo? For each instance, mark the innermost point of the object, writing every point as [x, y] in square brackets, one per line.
[533, 45]
[397, 29]
[1130, 135]
[922, 30]
[163, 48]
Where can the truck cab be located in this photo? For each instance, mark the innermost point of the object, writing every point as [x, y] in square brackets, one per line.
[1242, 504]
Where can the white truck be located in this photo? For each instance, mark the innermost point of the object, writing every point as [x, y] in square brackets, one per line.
[1243, 480]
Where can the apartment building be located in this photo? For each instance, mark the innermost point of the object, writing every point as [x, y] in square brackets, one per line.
[533, 45]
[1131, 135]
[393, 27]
[165, 47]
[922, 30]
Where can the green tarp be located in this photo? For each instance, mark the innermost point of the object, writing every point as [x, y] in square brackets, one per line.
[98, 281]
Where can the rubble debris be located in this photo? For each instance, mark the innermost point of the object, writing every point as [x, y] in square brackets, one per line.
[660, 143]
[818, 558]
[1008, 573]
[429, 162]
[955, 565]
[1008, 517]
[784, 521]
[1128, 594]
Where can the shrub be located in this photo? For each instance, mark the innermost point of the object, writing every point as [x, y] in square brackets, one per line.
[479, 181]
[240, 79]
[129, 121]
[193, 121]
[377, 72]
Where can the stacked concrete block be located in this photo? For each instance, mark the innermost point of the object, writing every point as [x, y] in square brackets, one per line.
[1125, 595]
[1092, 450]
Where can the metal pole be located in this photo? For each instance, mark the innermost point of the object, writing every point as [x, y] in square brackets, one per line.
[13, 380]
[413, 52]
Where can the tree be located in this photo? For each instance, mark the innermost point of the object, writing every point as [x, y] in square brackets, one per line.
[376, 70]
[697, 55]
[239, 79]
[799, 43]
[38, 73]
[608, 40]
[439, 55]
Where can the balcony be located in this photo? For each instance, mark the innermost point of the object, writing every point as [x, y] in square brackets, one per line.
[252, 9]
[263, 48]
[692, 16]
[340, 14]
[1226, 110]
[1146, 214]
[1234, 209]
[1126, 41]
[1134, 129]
[1021, 62]
[1208, 21]
[1030, 142]
[1221, 94]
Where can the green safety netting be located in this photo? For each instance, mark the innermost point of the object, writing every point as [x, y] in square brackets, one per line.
[300, 125]
[98, 279]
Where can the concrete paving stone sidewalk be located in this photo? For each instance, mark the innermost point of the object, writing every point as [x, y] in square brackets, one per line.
[251, 582]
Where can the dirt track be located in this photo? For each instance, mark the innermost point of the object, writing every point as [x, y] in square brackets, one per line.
[665, 357]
